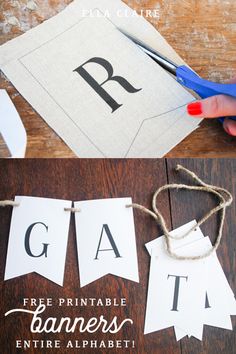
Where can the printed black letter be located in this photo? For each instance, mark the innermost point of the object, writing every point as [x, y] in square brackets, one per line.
[207, 304]
[27, 241]
[111, 240]
[176, 291]
[98, 87]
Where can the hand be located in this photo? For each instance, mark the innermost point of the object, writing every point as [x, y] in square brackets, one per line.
[215, 107]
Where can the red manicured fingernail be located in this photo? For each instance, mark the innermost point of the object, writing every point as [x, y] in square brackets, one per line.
[228, 130]
[195, 108]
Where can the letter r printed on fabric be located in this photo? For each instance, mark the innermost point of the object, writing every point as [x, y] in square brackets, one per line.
[101, 94]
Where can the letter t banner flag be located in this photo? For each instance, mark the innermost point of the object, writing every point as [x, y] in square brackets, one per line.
[187, 294]
[106, 240]
[38, 238]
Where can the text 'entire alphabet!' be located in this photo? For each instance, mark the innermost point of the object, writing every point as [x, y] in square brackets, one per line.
[39, 233]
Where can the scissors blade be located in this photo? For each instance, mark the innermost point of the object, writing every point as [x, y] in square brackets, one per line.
[164, 62]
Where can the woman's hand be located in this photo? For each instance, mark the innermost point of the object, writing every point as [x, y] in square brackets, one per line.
[215, 107]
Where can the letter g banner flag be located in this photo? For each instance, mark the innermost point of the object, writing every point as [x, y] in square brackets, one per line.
[38, 238]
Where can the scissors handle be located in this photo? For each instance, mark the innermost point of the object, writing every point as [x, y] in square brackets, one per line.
[203, 88]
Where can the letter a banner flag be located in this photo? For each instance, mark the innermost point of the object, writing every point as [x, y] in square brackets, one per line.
[38, 238]
[106, 240]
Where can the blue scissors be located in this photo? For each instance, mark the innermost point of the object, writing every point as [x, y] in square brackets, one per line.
[186, 77]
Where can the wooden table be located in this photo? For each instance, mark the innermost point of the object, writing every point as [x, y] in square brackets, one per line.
[74, 180]
[202, 32]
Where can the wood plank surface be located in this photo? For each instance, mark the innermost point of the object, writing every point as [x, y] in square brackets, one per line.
[203, 32]
[186, 206]
[75, 180]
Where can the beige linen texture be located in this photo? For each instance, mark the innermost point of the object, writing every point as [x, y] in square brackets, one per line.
[41, 65]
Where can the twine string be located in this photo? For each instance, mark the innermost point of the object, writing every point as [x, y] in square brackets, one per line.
[73, 210]
[4, 203]
[225, 199]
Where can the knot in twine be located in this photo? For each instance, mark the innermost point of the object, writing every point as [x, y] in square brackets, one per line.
[225, 199]
[4, 203]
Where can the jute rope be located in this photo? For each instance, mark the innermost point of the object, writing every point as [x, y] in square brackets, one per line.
[224, 196]
[73, 210]
[5, 203]
[225, 199]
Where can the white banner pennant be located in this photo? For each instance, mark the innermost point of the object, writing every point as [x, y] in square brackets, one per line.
[174, 295]
[219, 299]
[221, 302]
[106, 240]
[38, 238]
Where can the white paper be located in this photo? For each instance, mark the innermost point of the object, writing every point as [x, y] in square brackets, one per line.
[221, 298]
[159, 313]
[11, 127]
[211, 280]
[92, 236]
[179, 333]
[149, 123]
[51, 229]
[160, 246]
